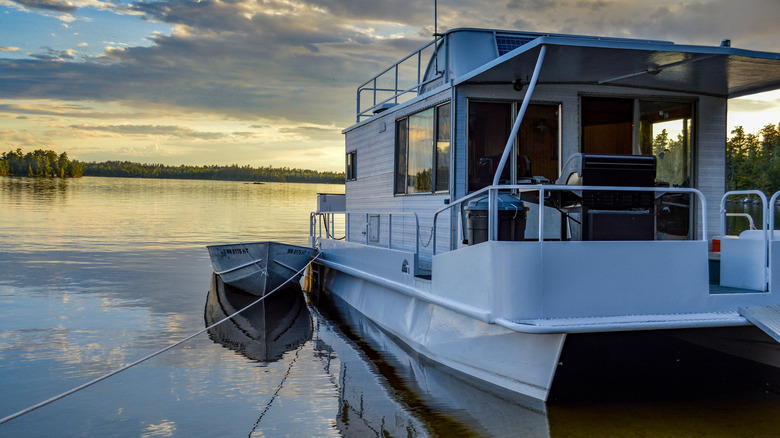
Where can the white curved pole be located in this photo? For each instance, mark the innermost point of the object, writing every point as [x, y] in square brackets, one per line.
[520, 115]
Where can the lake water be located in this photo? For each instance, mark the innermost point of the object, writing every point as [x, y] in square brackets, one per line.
[96, 273]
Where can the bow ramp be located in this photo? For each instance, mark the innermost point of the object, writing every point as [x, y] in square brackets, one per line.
[767, 318]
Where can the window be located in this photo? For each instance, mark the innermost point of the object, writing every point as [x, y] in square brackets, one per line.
[609, 126]
[534, 154]
[662, 128]
[665, 131]
[351, 170]
[422, 151]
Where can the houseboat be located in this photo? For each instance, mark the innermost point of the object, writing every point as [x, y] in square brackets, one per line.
[508, 192]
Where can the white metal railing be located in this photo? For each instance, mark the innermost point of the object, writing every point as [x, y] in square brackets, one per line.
[492, 192]
[327, 220]
[764, 216]
[767, 224]
[394, 72]
[751, 224]
[318, 221]
[772, 207]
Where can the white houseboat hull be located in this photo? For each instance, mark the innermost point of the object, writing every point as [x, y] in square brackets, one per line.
[493, 327]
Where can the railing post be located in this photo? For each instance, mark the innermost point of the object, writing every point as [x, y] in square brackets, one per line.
[395, 92]
[433, 236]
[417, 235]
[390, 231]
[492, 214]
[541, 215]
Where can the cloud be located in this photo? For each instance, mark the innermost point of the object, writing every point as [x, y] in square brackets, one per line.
[299, 61]
[66, 110]
[152, 130]
[9, 49]
[20, 139]
[148, 151]
[289, 69]
[55, 55]
[48, 5]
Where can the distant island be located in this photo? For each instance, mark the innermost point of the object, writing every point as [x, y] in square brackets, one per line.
[42, 163]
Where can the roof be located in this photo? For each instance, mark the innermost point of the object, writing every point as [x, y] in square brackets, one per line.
[717, 71]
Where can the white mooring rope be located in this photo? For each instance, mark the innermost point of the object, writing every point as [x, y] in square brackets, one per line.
[126, 367]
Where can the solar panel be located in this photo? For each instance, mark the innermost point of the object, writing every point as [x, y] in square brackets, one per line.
[507, 43]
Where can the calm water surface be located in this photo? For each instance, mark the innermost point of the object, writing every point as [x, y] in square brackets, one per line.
[96, 273]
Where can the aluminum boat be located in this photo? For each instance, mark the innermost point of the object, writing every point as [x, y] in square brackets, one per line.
[259, 267]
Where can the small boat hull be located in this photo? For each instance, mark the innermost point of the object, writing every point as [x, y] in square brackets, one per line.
[259, 267]
[263, 332]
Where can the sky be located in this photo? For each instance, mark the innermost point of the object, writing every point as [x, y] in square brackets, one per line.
[272, 82]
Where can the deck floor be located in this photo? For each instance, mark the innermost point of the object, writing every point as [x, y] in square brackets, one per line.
[716, 289]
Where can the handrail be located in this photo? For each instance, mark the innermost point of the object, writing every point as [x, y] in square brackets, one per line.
[389, 214]
[771, 221]
[493, 191]
[760, 194]
[397, 94]
[395, 67]
[751, 224]
[765, 221]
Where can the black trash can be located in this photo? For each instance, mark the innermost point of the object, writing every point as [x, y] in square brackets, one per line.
[512, 215]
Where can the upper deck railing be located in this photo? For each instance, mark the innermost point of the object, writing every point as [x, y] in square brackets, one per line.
[401, 81]
[493, 191]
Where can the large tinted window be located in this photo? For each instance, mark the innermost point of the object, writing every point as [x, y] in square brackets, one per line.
[443, 148]
[536, 149]
[420, 158]
[607, 125]
[401, 143]
[422, 151]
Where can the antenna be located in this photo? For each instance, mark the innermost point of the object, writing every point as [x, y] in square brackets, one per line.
[435, 18]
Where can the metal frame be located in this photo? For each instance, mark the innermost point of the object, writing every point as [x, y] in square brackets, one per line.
[316, 220]
[372, 86]
[493, 202]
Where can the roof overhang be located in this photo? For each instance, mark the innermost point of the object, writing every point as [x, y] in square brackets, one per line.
[716, 71]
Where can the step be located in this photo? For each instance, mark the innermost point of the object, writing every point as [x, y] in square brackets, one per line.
[767, 318]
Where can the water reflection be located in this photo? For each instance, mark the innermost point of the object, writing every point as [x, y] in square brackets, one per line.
[97, 272]
[418, 398]
[737, 224]
[264, 332]
[22, 189]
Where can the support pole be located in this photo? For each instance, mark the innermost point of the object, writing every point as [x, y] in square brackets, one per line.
[520, 115]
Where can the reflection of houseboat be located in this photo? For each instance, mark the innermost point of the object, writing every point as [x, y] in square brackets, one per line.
[393, 393]
[265, 331]
[457, 244]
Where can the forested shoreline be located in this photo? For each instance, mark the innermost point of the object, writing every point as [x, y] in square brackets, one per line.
[43, 163]
[752, 162]
[39, 163]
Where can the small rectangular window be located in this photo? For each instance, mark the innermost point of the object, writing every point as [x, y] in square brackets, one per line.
[351, 168]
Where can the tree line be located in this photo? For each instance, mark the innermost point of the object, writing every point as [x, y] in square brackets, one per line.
[41, 163]
[753, 161]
